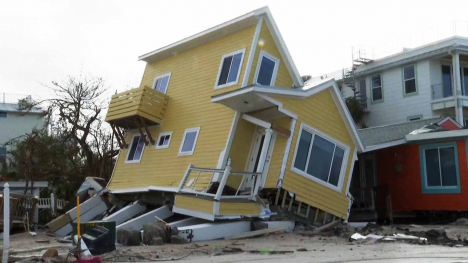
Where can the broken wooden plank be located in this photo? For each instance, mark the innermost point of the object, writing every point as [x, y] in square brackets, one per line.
[256, 233]
[327, 226]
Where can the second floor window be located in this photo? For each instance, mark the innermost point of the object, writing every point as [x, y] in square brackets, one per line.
[409, 79]
[161, 82]
[267, 67]
[229, 69]
[189, 140]
[376, 82]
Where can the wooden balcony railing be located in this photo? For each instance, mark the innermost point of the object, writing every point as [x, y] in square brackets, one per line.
[136, 108]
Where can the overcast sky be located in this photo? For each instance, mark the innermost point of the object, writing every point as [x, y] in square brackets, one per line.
[42, 41]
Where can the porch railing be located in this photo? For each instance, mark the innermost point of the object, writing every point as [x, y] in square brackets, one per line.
[439, 92]
[199, 181]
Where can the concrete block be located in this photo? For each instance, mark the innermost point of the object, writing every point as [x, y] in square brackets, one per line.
[86, 206]
[65, 230]
[211, 231]
[138, 222]
[92, 213]
[126, 213]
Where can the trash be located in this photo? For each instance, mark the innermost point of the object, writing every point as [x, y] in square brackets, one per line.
[50, 253]
[302, 250]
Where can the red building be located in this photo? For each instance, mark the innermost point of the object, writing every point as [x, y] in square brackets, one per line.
[411, 167]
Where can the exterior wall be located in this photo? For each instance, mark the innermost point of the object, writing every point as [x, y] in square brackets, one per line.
[283, 78]
[320, 112]
[395, 107]
[15, 125]
[278, 154]
[406, 186]
[193, 77]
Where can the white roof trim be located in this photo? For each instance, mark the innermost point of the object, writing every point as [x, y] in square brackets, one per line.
[449, 119]
[385, 145]
[344, 112]
[436, 135]
[37, 184]
[279, 41]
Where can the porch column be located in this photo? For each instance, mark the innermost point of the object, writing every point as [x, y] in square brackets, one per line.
[261, 161]
[457, 86]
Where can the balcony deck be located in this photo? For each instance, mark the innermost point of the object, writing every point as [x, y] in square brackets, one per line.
[145, 104]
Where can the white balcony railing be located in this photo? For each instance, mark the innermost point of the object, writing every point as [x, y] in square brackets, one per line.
[441, 90]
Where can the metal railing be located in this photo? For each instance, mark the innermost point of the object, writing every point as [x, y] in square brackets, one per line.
[440, 91]
[363, 99]
[201, 181]
[427, 36]
[14, 98]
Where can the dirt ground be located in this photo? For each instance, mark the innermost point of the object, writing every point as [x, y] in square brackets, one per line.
[278, 247]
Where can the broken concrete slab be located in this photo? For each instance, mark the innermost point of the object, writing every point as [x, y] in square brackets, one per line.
[215, 230]
[92, 213]
[128, 237]
[59, 222]
[86, 206]
[64, 231]
[259, 225]
[126, 213]
[138, 222]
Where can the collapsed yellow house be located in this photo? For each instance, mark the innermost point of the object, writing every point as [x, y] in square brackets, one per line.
[223, 127]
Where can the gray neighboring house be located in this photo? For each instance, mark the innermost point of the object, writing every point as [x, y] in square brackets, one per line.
[14, 123]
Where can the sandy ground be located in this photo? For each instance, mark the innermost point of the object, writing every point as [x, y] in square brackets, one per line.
[319, 249]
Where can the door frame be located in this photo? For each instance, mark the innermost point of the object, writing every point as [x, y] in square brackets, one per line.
[254, 148]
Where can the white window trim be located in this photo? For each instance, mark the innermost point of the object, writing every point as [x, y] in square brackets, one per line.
[259, 63]
[130, 147]
[377, 87]
[162, 76]
[159, 138]
[221, 67]
[344, 164]
[197, 129]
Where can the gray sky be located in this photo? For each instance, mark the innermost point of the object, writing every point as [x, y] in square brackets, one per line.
[41, 41]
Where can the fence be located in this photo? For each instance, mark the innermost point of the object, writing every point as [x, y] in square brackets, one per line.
[53, 203]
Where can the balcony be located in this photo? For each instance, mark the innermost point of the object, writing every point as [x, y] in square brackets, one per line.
[441, 91]
[136, 109]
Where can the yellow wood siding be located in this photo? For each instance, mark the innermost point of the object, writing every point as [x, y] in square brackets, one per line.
[240, 150]
[193, 203]
[193, 77]
[243, 208]
[283, 78]
[320, 112]
[278, 154]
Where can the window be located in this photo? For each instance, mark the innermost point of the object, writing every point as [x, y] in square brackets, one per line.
[320, 158]
[136, 149]
[161, 82]
[229, 69]
[267, 67]
[189, 140]
[164, 140]
[376, 82]
[439, 168]
[446, 81]
[3, 114]
[409, 80]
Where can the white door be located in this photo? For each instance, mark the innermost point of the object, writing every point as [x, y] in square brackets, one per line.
[254, 156]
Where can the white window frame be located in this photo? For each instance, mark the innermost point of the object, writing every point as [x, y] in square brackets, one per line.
[160, 77]
[259, 63]
[242, 51]
[344, 164]
[130, 147]
[159, 138]
[197, 129]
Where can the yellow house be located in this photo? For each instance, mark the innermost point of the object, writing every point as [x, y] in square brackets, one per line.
[224, 124]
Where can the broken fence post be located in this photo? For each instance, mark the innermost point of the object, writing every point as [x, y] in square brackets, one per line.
[6, 217]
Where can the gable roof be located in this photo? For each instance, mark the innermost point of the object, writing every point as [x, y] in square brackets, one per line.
[224, 29]
[307, 91]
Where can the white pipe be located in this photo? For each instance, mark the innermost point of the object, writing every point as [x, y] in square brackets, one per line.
[6, 217]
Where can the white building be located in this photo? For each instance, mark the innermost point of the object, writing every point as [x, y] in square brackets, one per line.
[420, 83]
[14, 123]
